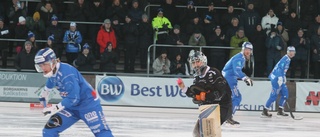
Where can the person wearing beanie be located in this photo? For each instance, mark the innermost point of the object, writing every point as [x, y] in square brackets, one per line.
[131, 33]
[197, 39]
[85, 60]
[249, 20]
[36, 25]
[56, 30]
[282, 32]
[162, 25]
[25, 58]
[50, 42]
[20, 32]
[145, 39]
[274, 46]
[109, 59]
[73, 39]
[106, 34]
[22, 20]
[135, 12]
[169, 7]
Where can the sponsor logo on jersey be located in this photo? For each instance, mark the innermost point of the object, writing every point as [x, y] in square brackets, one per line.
[91, 117]
[110, 89]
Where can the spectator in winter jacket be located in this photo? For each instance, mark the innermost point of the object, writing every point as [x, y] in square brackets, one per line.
[4, 45]
[282, 32]
[162, 64]
[131, 35]
[49, 43]
[177, 66]
[145, 39]
[179, 39]
[106, 34]
[85, 60]
[217, 57]
[269, 21]
[231, 31]
[186, 15]
[301, 44]
[313, 27]
[282, 10]
[21, 32]
[109, 59]
[116, 9]
[292, 24]
[32, 38]
[236, 42]
[168, 8]
[274, 46]
[36, 25]
[78, 11]
[96, 14]
[25, 59]
[197, 39]
[47, 10]
[135, 12]
[15, 10]
[227, 18]
[207, 26]
[194, 25]
[73, 39]
[249, 20]
[259, 52]
[315, 50]
[215, 17]
[162, 26]
[56, 30]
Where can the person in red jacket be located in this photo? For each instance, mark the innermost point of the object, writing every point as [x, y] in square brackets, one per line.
[106, 34]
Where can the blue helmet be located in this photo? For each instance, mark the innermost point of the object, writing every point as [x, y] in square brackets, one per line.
[45, 55]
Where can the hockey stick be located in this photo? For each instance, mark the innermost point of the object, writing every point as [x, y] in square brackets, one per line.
[291, 114]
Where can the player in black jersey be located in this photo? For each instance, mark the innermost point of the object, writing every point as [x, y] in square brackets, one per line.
[209, 87]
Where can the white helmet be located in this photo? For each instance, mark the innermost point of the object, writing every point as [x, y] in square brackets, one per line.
[291, 49]
[43, 56]
[198, 56]
[247, 45]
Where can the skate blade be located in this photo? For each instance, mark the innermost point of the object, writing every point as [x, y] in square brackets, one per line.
[264, 116]
[282, 117]
[231, 126]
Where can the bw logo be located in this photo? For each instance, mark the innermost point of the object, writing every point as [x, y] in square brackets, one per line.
[313, 98]
[110, 89]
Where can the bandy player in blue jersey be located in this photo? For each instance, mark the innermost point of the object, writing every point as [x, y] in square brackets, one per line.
[79, 100]
[232, 71]
[278, 82]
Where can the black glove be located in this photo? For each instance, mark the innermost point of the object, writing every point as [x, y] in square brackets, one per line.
[194, 90]
[69, 36]
[195, 101]
[248, 81]
[165, 26]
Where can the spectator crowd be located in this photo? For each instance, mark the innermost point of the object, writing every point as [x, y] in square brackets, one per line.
[123, 26]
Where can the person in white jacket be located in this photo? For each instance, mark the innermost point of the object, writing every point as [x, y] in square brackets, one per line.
[269, 21]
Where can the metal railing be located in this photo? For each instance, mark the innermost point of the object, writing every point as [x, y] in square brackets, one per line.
[177, 46]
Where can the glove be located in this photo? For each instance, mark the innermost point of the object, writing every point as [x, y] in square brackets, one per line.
[280, 81]
[49, 111]
[194, 90]
[201, 96]
[196, 101]
[279, 47]
[69, 36]
[44, 97]
[4, 32]
[284, 80]
[248, 81]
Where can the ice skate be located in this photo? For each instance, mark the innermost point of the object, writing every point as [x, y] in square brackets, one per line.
[281, 112]
[265, 113]
[232, 123]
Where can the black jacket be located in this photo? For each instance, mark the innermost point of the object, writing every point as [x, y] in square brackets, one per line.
[25, 60]
[130, 33]
[108, 61]
[175, 70]
[145, 34]
[57, 32]
[258, 42]
[216, 87]
[85, 63]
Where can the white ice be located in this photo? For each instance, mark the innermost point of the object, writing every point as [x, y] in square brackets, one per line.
[18, 120]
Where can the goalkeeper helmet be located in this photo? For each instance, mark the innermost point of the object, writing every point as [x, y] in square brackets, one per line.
[45, 56]
[194, 59]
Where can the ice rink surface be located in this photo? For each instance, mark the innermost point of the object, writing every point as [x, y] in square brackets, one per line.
[18, 120]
